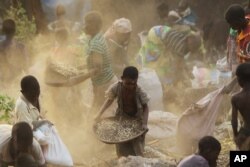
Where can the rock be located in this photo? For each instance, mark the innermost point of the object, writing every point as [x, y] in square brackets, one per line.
[137, 161]
[162, 124]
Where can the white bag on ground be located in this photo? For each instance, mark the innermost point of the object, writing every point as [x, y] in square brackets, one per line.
[162, 124]
[198, 121]
[43, 134]
[150, 82]
[55, 152]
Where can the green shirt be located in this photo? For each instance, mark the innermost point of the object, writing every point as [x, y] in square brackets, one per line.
[98, 45]
[233, 32]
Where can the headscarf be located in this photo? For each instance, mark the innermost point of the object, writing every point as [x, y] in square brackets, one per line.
[121, 25]
[153, 47]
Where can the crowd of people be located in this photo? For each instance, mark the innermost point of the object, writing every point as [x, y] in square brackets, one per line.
[168, 48]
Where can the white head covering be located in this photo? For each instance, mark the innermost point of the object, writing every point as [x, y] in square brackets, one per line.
[174, 14]
[122, 25]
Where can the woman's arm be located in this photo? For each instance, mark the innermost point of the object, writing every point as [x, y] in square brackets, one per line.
[73, 80]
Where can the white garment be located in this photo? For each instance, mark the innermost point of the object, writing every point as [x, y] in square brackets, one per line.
[194, 161]
[25, 111]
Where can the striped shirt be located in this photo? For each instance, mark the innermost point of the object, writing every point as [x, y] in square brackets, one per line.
[175, 42]
[98, 45]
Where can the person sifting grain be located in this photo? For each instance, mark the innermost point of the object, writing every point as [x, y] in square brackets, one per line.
[98, 59]
[132, 102]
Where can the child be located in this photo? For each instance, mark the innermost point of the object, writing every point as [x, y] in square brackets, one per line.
[240, 102]
[209, 150]
[21, 141]
[27, 106]
[27, 110]
[132, 102]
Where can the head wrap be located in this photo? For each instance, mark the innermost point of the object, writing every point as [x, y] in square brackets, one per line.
[122, 25]
[173, 13]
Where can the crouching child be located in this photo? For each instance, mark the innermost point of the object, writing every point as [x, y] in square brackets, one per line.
[132, 102]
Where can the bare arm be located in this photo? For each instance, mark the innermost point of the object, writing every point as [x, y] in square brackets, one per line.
[145, 115]
[104, 107]
[97, 64]
[73, 80]
[234, 120]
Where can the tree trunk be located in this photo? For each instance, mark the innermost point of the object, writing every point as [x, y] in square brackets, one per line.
[34, 9]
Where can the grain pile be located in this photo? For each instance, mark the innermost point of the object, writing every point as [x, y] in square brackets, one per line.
[115, 130]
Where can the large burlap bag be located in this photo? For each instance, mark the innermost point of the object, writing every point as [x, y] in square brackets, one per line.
[198, 121]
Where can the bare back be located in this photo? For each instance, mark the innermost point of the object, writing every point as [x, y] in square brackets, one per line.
[241, 103]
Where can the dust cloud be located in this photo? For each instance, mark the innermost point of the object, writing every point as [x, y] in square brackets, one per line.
[68, 108]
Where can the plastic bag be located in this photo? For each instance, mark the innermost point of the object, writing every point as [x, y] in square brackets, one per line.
[222, 65]
[150, 82]
[54, 150]
[204, 76]
[5, 133]
[42, 137]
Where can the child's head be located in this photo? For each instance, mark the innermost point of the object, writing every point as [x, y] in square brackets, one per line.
[235, 17]
[182, 5]
[209, 148]
[22, 137]
[9, 27]
[60, 11]
[93, 23]
[30, 88]
[243, 74]
[129, 77]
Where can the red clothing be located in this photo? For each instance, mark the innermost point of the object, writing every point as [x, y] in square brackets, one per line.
[243, 45]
